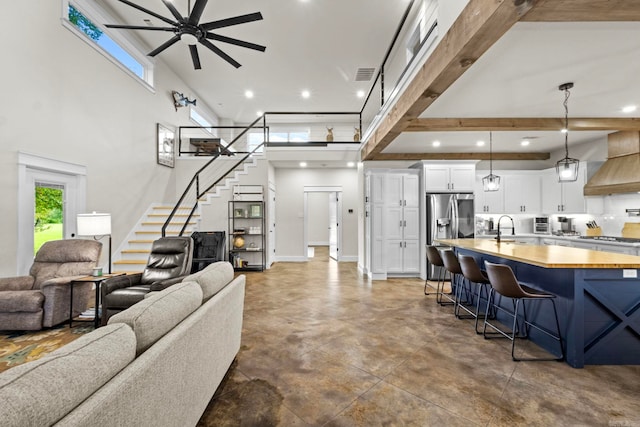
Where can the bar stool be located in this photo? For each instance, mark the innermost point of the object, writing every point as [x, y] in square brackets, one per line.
[504, 282]
[433, 255]
[471, 271]
[452, 265]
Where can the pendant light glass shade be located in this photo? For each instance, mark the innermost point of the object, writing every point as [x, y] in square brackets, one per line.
[567, 168]
[491, 182]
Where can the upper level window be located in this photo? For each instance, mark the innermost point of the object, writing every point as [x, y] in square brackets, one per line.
[291, 135]
[87, 21]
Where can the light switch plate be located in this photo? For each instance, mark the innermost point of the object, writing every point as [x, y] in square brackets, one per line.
[630, 274]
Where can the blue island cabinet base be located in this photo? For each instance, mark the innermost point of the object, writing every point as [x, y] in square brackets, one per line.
[598, 309]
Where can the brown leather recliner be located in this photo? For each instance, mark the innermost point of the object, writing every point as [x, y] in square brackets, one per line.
[169, 262]
[42, 298]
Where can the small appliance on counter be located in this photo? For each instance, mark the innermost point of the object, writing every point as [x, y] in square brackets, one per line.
[541, 225]
[566, 225]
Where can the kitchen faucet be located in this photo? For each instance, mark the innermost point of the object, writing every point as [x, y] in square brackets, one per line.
[513, 228]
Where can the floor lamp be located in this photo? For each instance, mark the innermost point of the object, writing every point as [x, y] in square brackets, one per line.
[97, 225]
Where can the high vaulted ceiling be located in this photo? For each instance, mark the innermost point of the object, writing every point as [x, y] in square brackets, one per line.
[498, 68]
[314, 45]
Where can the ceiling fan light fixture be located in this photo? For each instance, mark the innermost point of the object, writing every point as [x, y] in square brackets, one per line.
[567, 168]
[491, 182]
[188, 39]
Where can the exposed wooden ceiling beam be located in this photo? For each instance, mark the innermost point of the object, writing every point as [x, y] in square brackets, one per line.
[460, 156]
[513, 124]
[476, 29]
[583, 10]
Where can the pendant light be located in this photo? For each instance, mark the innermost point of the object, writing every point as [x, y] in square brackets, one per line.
[491, 182]
[567, 168]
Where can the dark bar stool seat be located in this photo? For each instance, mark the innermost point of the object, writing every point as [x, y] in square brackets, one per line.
[504, 282]
[471, 271]
[433, 255]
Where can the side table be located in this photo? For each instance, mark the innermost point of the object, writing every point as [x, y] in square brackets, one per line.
[97, 281]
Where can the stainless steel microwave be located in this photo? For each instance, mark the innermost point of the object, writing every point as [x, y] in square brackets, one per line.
[541, 225]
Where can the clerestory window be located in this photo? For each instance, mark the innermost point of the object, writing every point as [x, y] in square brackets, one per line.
[87, 21]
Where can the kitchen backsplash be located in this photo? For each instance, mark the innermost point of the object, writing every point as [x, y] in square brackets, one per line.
[611, 222]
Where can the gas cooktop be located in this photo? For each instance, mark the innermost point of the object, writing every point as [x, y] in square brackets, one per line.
[612, 239]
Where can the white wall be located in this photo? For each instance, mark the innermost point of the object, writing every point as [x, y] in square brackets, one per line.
[290, 185]
[63, 100]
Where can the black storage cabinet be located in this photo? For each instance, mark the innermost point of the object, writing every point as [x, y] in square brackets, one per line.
[208, 247]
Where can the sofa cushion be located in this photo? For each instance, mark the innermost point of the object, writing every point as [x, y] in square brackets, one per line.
[213, 278]
[153, 317]
[43, 391]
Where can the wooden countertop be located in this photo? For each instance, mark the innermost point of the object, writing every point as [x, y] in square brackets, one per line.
[548, 256]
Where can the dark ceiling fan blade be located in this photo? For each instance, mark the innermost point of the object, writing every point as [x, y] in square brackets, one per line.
[142, 9]
[173, 11]
[220, 53]
[140, 27]
[236, 42]
[242, 19]
[163, 46]
[196, 12]
[194, 56]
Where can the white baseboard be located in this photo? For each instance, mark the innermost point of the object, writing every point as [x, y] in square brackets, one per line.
[349, 258]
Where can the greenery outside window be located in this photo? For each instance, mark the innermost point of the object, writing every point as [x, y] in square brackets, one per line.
[87, 21]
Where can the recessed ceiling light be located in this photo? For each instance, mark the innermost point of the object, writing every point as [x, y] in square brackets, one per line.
[248, 94]
[436, 143]
[524, 142]
[563, 130]
[629, 109]
[480, 143]
[259, 113]
[360, 94]
[303, 164]
[306, 94]
[350, 164]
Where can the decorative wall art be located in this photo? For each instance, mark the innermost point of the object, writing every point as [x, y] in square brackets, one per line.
[166, 146]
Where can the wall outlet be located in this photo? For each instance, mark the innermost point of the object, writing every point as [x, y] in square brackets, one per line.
[630, 274]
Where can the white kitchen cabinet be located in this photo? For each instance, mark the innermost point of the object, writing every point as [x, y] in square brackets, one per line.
[526, 240]
[568, 197]
[402, 222]
[447, 178]
[394, 223]
[522, 193]
[488, 202]
[585, 245]
[620, 249]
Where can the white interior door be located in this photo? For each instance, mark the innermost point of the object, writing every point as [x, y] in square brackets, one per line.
[334, 225]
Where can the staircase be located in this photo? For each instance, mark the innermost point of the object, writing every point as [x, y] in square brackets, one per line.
[135, 251]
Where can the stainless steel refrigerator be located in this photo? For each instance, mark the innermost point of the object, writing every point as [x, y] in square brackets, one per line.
[449, 216]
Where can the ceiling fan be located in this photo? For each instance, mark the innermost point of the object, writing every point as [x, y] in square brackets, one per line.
[190, 31]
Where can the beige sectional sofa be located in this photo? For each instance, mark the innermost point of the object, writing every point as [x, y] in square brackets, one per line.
[157, 363]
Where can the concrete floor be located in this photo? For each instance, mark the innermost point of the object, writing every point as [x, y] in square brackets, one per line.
[323, 346]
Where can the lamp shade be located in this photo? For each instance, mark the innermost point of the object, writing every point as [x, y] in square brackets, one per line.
[93, 224]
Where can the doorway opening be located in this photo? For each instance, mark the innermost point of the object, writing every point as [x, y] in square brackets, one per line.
[322, 218]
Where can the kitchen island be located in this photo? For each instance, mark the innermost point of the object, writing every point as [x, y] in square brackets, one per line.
[598, 296]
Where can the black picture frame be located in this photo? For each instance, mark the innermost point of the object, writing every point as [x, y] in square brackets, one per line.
[165, 145]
